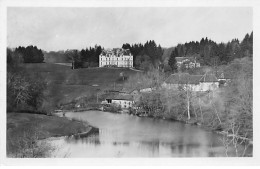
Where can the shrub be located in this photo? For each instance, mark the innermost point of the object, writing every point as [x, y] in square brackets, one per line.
[24, 92]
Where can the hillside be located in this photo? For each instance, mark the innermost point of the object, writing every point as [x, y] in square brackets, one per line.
[65, 84]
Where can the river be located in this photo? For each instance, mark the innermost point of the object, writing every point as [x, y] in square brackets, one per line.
[123, 135]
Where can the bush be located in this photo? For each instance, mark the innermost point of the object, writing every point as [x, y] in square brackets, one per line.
[27, 145]
[114, 108]
[24, 92]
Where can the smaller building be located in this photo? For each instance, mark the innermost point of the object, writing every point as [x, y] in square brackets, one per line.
[188, 62]
[196, 83]
[124, 101]
[223, 77]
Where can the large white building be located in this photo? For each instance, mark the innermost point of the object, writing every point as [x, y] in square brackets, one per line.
[116, 57]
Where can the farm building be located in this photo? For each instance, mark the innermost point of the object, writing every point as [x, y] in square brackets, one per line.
[125, 101]
[197, 83]
[188, 62]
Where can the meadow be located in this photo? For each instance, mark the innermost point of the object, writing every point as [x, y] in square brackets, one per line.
[65, 84]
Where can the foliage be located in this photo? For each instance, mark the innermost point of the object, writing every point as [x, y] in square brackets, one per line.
[146, 55]
[23, 90]
[213, 54]
[172, 60]
[27, 145]
[30, 54]
[239, 97]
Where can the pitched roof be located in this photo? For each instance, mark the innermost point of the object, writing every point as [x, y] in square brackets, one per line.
[180, 59]
[116, 51]
[223, 75]
[122, 97]
[185, 78]
[208, 78]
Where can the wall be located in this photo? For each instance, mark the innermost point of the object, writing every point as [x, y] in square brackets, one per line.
[121, 61]
[123, 103]
[202, 86]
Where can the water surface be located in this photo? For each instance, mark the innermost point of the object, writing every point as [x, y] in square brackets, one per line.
[123, 135]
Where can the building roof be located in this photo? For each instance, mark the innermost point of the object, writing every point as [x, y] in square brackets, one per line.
[128, 90]
[223, 75]
[122, 97]
[209, 78]
[116, 51]
[185, 78]
[181, 59]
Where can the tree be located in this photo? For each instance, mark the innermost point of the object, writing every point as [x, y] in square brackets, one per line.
[172, 60]
[75, 58]
[238, 97]
[31, 54]
[24, 91]
[126, 46]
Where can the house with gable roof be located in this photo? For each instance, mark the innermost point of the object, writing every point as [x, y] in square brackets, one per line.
[188, 62]
[196, 83]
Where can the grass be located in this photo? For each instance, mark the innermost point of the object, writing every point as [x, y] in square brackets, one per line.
[48, 126]
[24, 130]
[65, 84]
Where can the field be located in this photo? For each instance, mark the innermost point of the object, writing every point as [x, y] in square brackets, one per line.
[65, 84]
[23, 129]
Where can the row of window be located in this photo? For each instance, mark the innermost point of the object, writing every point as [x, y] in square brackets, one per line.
[109, 63]
[124, 102]
[116, 59]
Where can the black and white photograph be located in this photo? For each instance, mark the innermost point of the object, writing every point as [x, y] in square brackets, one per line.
[125, 81]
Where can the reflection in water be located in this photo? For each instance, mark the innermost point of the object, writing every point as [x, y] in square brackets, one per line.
[121, 135]
[92, 139]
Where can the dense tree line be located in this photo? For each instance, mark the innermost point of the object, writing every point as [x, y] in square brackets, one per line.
[91, 55]
[145, 55]
[88, 57]
[210, 53]
[30, 54]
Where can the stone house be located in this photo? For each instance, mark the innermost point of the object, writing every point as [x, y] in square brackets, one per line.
[124, 101]
[188, 62]
[196, 83]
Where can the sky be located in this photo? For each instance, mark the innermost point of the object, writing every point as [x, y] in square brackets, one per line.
[54, 28]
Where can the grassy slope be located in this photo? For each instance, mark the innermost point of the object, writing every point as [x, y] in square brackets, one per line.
[65, 84]
[47, 126]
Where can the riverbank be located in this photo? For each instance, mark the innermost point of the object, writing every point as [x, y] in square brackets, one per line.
[198, 123]
[26, 125]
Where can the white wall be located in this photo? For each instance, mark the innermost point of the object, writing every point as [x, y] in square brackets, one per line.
[123, 103]
[121, 61]
[205, 86]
